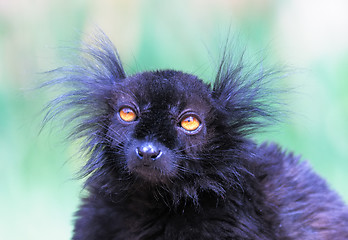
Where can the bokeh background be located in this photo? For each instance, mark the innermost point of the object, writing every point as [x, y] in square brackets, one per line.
[37, 194]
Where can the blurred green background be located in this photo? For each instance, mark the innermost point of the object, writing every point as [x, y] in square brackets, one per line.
[38, 197]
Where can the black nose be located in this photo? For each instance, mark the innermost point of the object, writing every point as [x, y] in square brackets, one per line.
[148, 152]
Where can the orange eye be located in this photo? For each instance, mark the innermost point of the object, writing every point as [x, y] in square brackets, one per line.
[127, 114]
[190, 123]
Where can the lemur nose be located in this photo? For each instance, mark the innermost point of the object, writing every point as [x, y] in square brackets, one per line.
[148, 152]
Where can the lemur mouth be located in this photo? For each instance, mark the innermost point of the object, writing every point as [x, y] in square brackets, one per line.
[150, 173]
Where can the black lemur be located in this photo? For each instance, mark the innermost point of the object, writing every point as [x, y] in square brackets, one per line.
[169, 156]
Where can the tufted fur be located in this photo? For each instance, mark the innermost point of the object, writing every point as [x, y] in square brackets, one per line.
[214, 183]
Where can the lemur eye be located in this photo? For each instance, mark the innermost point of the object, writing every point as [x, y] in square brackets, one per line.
[127, 114]
[190, 123]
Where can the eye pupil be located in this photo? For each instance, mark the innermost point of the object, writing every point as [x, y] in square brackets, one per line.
[127, 114]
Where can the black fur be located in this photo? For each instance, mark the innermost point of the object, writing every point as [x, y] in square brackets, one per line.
[210, 183]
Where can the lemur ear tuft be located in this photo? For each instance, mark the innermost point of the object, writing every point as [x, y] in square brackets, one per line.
[101, 56]
[85, 100]
[245, 93]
